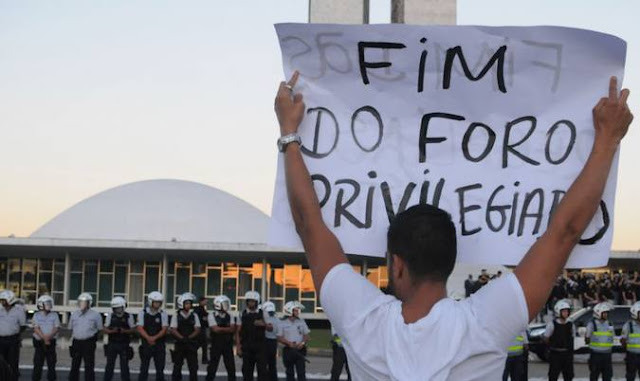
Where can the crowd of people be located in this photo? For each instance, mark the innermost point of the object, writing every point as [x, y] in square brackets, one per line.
[589, 289]
[256, 332]
[472, 285]
[581, 289]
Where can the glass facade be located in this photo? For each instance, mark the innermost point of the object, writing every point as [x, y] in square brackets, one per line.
[29, 278]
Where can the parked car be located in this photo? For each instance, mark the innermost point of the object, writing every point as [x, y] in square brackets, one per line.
[617, 317]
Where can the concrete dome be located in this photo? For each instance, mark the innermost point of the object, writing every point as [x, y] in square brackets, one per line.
[160, 210]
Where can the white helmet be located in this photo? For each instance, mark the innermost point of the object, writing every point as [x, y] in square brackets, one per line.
[155, 296]
[43, 300]
[221, 303]
[85, 297]
[290, 306]
[9, 296]
[600, 308]
[252, 295]
[561, 305]
[269, 306]
[635, 308]
[186, 297]
[118, 302]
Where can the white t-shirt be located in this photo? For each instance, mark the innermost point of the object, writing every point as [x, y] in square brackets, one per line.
[465, 340]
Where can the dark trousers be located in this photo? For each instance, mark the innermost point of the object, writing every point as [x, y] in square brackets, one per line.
[185, 351]
[294, 359]
[83, 350]
[560, 362]
[224, 350]
[254, 355]
[600, 364]
[112, 351]
[203, 344]
[514, 368]
[9, 351]
[632, 362]
[272, 354]
[41, 353]
[155, 352]
[339, 361]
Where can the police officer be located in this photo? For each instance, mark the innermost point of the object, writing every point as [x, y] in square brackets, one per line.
[119, 325]
[223, 328]
[271, 336]
[599, 336]
[631, 342]
[558, 335]
[185, 327]
[152, 327]
[339, 358]
[250, 338]
[12, 319]
[516, 364]
[293, 333]
[203, 315]
[85, 324]
[46, 324]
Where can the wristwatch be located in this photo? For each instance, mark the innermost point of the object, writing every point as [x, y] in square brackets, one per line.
[283, 141]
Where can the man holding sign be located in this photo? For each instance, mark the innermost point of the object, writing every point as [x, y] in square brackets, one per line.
[419, 333]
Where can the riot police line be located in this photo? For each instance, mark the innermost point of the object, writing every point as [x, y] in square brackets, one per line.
[256, 332]
[599, 336]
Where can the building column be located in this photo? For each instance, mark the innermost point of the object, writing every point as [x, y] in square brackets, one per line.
[66, 284]
[263, 282]
[339, 11]
[424, 12]
[165, 276]
[365, 267]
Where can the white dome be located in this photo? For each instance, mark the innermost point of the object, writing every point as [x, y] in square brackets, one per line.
[160, 210]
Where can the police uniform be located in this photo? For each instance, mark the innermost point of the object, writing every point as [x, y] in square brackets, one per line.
[631, 334]
[202, 338]
[294, 330]
[600, 334]
[11, 321]
[118, 345]
[252, 340]
[515, 366]
[560, 336]
[185, 349]
[339, 358]
[221, 346]
[152, 322]
[46, 322]
[84, 326]
[271, 338]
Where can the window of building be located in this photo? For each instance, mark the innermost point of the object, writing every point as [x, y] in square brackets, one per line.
[3, 273]
[136, 290]
[378, 276]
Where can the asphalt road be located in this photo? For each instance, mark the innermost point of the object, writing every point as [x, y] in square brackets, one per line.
[537, 372]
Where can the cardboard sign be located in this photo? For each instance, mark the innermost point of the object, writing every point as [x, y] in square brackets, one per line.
[491, 124]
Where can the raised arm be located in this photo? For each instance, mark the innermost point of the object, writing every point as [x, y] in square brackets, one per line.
[541, 265]
[321, 246]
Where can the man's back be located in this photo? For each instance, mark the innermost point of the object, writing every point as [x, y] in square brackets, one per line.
[464, 340]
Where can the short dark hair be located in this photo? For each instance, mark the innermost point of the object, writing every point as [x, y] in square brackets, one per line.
[425, 237]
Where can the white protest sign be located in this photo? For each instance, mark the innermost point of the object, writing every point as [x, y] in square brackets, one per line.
[491, 124]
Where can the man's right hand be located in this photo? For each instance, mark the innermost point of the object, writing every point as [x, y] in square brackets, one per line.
[289, 107]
